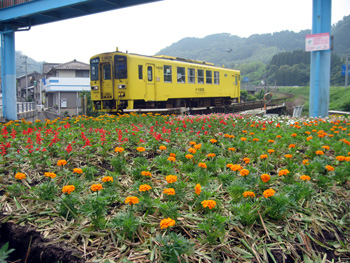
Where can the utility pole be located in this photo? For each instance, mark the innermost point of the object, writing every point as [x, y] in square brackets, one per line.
[229, 56]
[346, 72]
[26, 64]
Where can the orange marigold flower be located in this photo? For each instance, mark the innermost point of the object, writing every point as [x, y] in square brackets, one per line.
[197, 146]
[167, 222]
[265, 178]
[232, 149]
[243, 139]
[263, 156]
[319, 152]
[269, 192]
[49, 174]
[270, 151]
[77, 171]
[20, 176]
[283, 172]
[347, 159]
[198, 189]
[246, 160]
[96, 187]
[162, 148]
[211, 155]
[244, 172]
[208, 203]
[278, 136]
[256, 140]
[252, 133]
[171, 179]
[329, 168]
[107, 179]
[61, 162]
[192, 143]
[244, 131]
[192, 150]
[140, 149]
[326, 147]
[131, 200]
[189, 156]
[172, 155]
[146, 173]
[68, 189]
[213, 141]
[340, 158]
[294, 135]
[169, 191]
[236, 167]
[288, 156]
[305, 177]
[171, 159]
[248, 194]
[309, 138]
[202, 165]
[271, 141]
[291, 145]
[144, 187]
[118, 149]
[306, 162]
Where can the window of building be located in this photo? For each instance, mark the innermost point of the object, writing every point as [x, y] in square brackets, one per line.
[81, 73]
[200, 74]
[149, 73]
[191, 75]
[107, 71]
[208, 77]
[181, 77]
[167, 74]
[121, 71]
[140, 71]
[216, 77]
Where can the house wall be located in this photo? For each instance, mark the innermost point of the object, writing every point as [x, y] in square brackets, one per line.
[65, 73]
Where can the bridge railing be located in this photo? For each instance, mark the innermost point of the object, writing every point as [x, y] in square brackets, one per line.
[25, 107]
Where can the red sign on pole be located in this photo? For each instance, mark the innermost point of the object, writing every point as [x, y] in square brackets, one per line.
[316, 42]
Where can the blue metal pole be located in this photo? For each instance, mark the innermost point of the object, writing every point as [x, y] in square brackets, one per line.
[8, 74]
[320, 61]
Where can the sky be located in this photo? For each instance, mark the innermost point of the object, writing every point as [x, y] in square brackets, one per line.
[148, 28]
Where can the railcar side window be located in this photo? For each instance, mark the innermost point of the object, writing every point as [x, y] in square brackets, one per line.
[167, 73]
[216, 77]
[107, 71]
[181, 77]
[140, 71]
[236, 80]
[120, 66]
[94, 71]
[191, 75]
[208, 75]
[149, 73]
[200, 74]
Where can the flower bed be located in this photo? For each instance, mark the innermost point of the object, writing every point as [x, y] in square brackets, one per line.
[151, 188]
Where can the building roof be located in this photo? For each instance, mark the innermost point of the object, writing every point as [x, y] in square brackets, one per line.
[73, 65]
[48, 66]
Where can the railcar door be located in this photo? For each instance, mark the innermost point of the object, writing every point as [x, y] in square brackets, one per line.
[150, 83]
[106, 81]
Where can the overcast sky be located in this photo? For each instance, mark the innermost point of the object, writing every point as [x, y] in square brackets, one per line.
[145, 29]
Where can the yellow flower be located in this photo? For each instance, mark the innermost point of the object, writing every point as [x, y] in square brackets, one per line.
[244, 172]
[319, 152]
[140, 149]
[172, 155]
[283, 172]
[306, 162]
[107, 179]
[118, 149]
[96, 187]
[192, 143]
[77, 171]
[61, 162]
[270, 151]
[340, 158]
[329, 168]
[145, 188]
[269, 192]
[169, 191]
[189, 156]
[211, 155]
[248, 194]
[213, 141]
[162, 148]
[131, 200]
[263, 156]
[20, 176]
[167, 222]
[246, 160]
[208, 203]
[146, 173]
[202, 165]
[265, 178]
[51, 175]
[68, 189]
[232, 149]
[236, 167]
[171, 159]
[197, 146]
[171, 179]
[305, 178]
[198, 189]
[288, 156]
[243, 139]
[192, 150]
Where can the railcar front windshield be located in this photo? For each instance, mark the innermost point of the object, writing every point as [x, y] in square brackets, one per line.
[94, 68]
[120, 66]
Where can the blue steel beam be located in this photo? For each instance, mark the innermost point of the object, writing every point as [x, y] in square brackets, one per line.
[320, 61]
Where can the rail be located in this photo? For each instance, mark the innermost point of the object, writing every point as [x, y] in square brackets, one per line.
[250, 105]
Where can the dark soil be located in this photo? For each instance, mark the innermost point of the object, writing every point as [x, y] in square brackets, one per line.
[30, 247]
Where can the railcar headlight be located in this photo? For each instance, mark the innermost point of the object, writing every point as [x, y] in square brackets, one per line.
[94, 87]
[121, 86]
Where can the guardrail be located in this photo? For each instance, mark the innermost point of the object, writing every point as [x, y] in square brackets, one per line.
[250, 105]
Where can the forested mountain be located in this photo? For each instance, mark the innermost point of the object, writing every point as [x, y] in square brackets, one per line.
[26, 64]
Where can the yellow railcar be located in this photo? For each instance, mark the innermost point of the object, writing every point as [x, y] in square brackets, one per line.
[130, 81]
